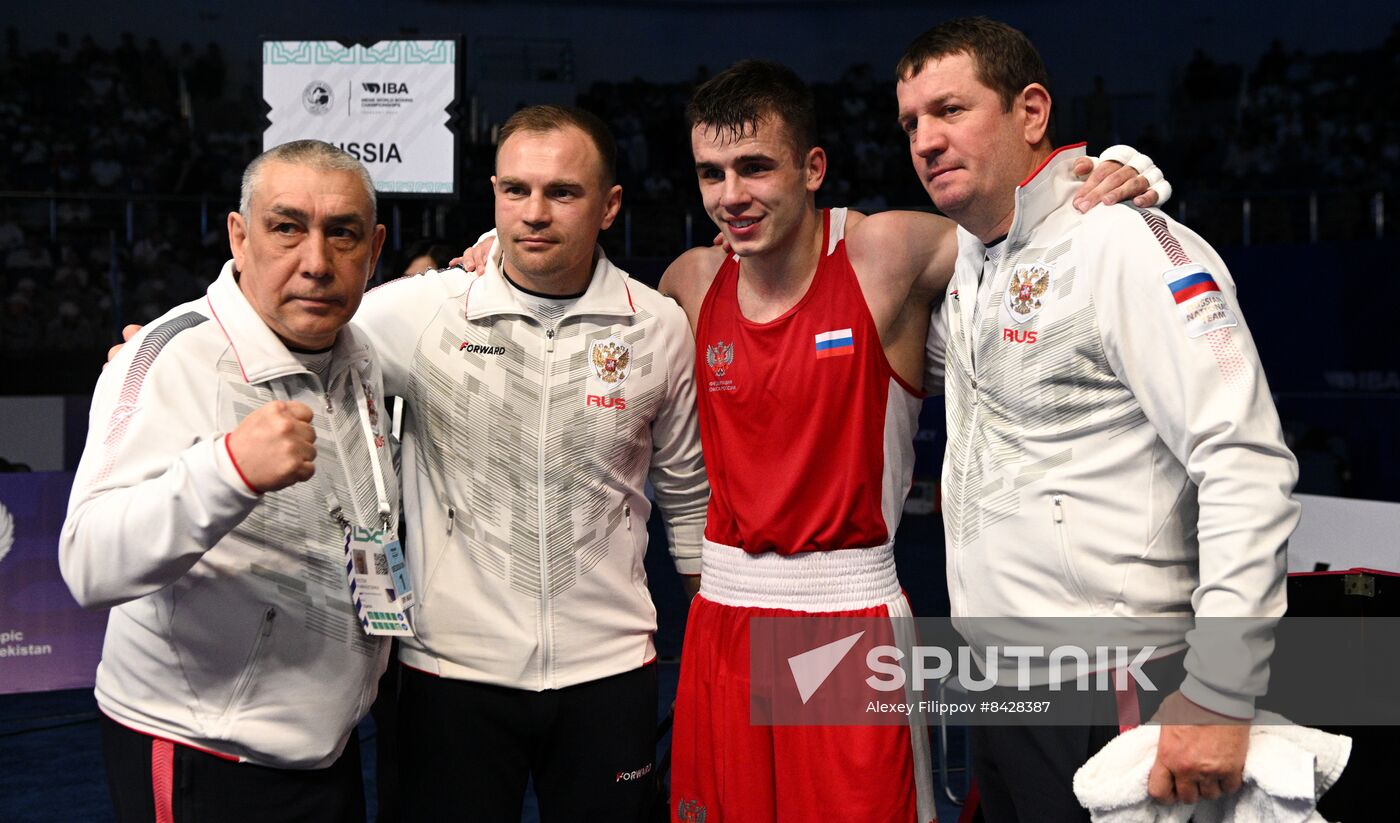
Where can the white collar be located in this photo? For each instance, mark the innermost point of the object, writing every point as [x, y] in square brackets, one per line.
[608, 292]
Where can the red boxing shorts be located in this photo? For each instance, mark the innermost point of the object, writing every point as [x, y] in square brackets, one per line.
[726, 769]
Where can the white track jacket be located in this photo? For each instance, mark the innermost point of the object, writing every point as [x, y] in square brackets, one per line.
[527, 451]
[1113, 450]
[232, 627]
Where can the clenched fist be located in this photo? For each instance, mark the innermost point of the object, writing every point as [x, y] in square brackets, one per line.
[275, 446]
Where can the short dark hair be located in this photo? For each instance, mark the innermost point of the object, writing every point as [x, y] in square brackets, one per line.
[547, 118]
[434, 249]
[750, 92]
[1005, 59]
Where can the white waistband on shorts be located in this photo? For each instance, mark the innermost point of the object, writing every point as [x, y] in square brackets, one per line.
[827, 581]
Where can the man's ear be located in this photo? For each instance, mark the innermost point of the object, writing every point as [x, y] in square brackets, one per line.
[613, 206]
[815, 168]
[1035, 103]
[237, 239]
[378, 240]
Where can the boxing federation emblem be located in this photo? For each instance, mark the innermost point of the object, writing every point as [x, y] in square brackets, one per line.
[1028, 285]
[691, 811]
[318, 97]
[719, 357]
[611, 357]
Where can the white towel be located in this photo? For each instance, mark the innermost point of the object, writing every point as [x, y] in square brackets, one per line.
[1287, 769]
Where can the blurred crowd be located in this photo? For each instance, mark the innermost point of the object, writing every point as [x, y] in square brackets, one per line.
[134, 118]
[1293, 121]
[142, 144]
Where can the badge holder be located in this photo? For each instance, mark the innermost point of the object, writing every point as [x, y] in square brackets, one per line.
[378, 576]
[375, 568]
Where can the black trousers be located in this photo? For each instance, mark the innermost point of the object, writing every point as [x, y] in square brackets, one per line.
[1025, 774]
[387, 743]
[469, 748]
[205, 788]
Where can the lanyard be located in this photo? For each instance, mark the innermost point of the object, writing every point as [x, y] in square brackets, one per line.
[333, 506]
[375, 569]
[362, 406]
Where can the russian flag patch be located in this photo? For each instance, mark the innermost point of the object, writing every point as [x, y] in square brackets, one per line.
[1199, 300]
[1190, 283]
[835, 343]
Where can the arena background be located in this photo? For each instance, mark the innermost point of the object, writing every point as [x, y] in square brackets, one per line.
[126, 129]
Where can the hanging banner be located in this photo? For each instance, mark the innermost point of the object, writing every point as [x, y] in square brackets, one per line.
[388, 104]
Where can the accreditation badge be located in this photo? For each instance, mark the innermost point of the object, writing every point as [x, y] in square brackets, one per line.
[379, 584]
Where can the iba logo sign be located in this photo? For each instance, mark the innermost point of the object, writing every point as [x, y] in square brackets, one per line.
[385, 88]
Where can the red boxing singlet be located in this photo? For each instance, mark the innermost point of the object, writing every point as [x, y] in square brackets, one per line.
[807, 430]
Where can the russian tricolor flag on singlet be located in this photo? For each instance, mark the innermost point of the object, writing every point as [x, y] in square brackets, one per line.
[835, 343]
[1191, 285]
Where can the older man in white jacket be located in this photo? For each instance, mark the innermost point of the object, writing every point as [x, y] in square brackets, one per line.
[235, 462]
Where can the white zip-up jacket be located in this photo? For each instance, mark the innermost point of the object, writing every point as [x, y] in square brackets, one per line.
[232, 627]
[526, 455]
[1113, 450]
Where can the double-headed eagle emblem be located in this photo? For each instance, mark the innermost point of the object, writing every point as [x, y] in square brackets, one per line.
[1028, 284]
[719, 357]
[610, 360]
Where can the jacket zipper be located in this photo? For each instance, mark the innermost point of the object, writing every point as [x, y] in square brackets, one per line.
[546, 633]
[1071, 573]
[339, 514]
[964, 505]
[246, 677]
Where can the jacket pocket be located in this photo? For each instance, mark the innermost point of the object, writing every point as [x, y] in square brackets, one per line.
[250, 666]
[636, 536]
[1066, 547]
[423, 569]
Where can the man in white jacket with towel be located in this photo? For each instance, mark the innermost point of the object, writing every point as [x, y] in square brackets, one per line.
[1113, 450]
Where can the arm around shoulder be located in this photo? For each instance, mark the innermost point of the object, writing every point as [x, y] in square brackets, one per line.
[914, 247]
[393, 316]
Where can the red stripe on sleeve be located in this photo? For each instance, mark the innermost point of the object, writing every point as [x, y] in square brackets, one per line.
[234, 461]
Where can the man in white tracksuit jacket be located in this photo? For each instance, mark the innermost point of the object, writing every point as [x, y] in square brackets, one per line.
[235, 667]
[1113, 450]
[542, 397]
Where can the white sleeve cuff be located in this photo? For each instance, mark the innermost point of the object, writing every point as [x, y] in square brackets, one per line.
[1232, 706]
[688, 566]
